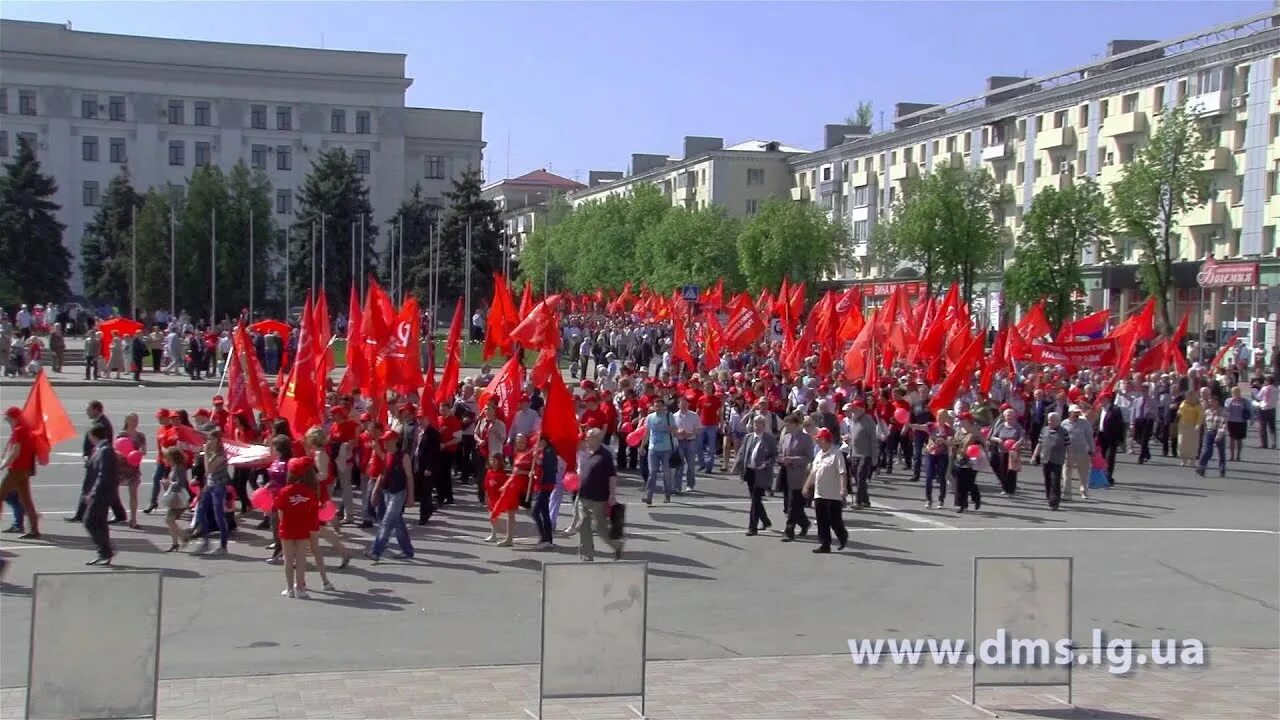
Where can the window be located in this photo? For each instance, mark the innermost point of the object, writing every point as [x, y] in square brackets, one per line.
[859, 230]
[1103, 108]
[1020, 174]
[1084, 115]
[258, 117]
[26, 102]
[1035, 174]
[284, 202]
[177, 152]
[204, 154]
[203, 114]
[755, 176]
[1207, 81]
[338, 121]
[4, 143]
[1237, 190]
[435, 166]
[284, 157]
[906, 155]
[1269, 240]
[844, 169]
[892, 194]
[89, 148]
[282, 236]
[826, 173]
[1181, 93]
[1273, 179]
[1275, 127]
[893, 158]
[968, 142]
[175, 112]
[1213, 133]
[115, 108]
[1157, 98]
[1022, 129]
[258, 157]
[90, 193]
[1242, 79]
[284, 118]
[1059, 119]
[857, 162]
[753, 206]
[4, 101]
[702, 176]
[118, 152]
[951, 144]
[88, 106]
[1127, 151]
[1129, 103]
[361, 158]
[364, 122]
[860, 195]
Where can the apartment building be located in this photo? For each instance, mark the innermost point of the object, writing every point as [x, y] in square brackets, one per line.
[94, 104]
[738, 178]
[523, 202]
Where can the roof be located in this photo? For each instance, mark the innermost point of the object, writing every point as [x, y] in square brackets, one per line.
[759, 146]
[544, 178]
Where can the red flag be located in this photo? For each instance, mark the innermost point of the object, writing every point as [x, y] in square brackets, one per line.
[1123, 362]
[505, 389]
[712, 340]
[540, 328]
[300, 399]
[544, 367]
[713, 298]
[1154, 359]
[324, 329]
[453, 358]
[45, 417]
[1088, 326]
[1141, 323]
[324, 353]
[856, 357]
[502, 317]
[1017, 347]
[428, 408]
[1034, 325]
[560, 422]
[795, 303]
[782, 303]
[743, 328]
[1222, 351]
[247, 388]
[376, 325]
[680, 343]
[357, 363]
[945, 396]
[526, 300]
[1176, 358]
[997, 360]
[404, 353]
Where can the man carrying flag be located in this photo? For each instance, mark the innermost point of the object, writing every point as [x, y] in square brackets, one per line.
[18, 465]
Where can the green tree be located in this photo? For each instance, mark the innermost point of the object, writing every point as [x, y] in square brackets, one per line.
[1164, 180]
[155, 279]
[1060, 226]
[203, 218]
[789, 239]
[34, 264]
[536, 266]
[945, 224]
[333, 208]
[466, 208]
[864, 115]
[248, 203]
[690, 247]
[410, 231]
[106, 248]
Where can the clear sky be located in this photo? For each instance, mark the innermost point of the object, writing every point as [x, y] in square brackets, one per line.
[581, 86]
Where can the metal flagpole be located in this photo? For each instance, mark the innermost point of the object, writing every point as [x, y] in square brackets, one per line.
[213, 267]
[313, 257]
[133, 262]
[253, 269]
[361, 254]
[400, 261]
[466, 277]
[286, 276]
[353, 254]
[173, 274]
[324, 254]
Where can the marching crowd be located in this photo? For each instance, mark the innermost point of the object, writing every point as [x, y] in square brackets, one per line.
[815, 440]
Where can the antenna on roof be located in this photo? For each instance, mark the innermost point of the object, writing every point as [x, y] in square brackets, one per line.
[68, 24]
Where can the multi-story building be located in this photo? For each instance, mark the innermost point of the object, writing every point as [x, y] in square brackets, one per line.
[524, 202]
[1088, 122]
[94, 104]
[738, 178]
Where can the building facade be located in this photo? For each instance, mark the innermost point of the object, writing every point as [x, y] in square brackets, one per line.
[523, 202]
[738, 178]
[94, 104]
[1088, 122]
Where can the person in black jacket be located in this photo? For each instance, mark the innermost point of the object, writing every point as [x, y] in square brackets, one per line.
[138, 351]
[96, 417]
[1110, 434]
[103, 492]
[425, 459]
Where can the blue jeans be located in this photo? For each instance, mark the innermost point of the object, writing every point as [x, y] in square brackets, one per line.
[392, 521]
[935, 469]
[659, 467]
[917, 454]
[707, 449]
[162, 471]
[689, 451]
[1213, 439]
[213, 498]
[18, 513]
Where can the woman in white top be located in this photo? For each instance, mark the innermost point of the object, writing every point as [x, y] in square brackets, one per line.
[826, 484]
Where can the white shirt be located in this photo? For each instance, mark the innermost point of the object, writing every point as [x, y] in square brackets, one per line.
[525, 422]
[687, 421]
[1268, 395]
[828, 472]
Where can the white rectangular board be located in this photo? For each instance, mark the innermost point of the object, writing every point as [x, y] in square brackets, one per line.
[593, 629]
[1030, 599]
[95, 645]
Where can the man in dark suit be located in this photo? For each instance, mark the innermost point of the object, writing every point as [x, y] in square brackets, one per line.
[755, 467]
[103, 493]
[97, 416]
[426, 450]
[1037, 414]
[1110, 434]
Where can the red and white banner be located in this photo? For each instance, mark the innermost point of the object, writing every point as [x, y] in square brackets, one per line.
[1215, 274]
[244, 455]
[1080, 353]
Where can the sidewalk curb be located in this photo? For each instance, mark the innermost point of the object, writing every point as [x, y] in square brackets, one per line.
[113, 384]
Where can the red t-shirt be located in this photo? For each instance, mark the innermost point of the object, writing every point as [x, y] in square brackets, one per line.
[709, 410]
[449, 429]
[593, 418]
[26, 458]
[343, 431]
[299, 511]
[166, 437]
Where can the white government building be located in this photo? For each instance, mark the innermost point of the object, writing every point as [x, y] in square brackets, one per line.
[94, 103]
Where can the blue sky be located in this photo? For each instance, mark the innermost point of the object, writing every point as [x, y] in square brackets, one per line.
[581, 86]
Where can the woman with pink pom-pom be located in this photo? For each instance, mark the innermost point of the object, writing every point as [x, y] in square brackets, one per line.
[131, 445]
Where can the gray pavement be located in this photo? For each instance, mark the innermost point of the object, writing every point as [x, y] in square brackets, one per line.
[1164, 554]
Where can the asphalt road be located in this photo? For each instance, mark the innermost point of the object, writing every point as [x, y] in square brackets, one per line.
[1164, 554]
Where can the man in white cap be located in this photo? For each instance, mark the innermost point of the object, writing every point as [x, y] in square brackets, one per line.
[1079, 447]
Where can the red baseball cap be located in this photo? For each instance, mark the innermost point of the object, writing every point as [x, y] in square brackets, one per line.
[203, 412]
[164, 413]
[823, 434]
[299, 465]
[218, 400]
[13, 411]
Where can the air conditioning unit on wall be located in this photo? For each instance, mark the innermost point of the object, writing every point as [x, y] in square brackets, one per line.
[1238, 102]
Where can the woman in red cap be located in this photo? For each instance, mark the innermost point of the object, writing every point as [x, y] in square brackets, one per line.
[18, 464]
[297, 510]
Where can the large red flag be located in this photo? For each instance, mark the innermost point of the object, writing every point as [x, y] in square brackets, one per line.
[377, 327]
[357, 363]
[1141, 323]
[680, 343]
[505, 388]
[428, 407]
[1034, 325]
[502, 318]
[1222, 351]
[743, 328]
[540, 328]
[45, 417]
[1176, 358]
[247, 388]
[712, 340]
[713, 298]
[322, 335]
[300, 399]
[544, 367]
[526, 300]
[560, 422]
[945, 396]
[1088, 326]
[856, 357]
[452, 359]
[997, 360]
[404, 353]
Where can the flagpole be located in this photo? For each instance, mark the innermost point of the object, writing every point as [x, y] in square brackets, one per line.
[133, 261]
[324, 254]
[466, 277]
[400, 261]
[353, 254]
[312, 289]
[286, 275]
[173, 273]
[360, 254]
[213, 267]
[223, 378]
[252, 268]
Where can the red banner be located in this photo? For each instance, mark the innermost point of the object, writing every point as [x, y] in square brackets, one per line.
[1080, 353]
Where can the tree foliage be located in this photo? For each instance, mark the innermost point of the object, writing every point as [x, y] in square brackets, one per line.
[690, 247]
[1165, 180]
[333, 214]
[156, 278]
[34, 264]
[789, 239]
[410, 231]
[466, 207]
[1057, 230]
[944, 223]
[106, 247]
[863, 115]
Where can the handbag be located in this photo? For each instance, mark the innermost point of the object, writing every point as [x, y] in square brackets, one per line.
[174, 497]
[1098, 479]
[617, 520]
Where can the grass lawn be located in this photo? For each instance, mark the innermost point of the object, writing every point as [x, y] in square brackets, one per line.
[471, 353]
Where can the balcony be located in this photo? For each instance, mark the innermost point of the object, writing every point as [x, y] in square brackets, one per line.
[998, 151]
[800, 194]
[1218, 158]
[1212, 213]
[1208, 103]
[952, 159]
[1064, 180]
[1130, 123]
[902, 171]
[1053, 138]
[826, 187]
[860, 179]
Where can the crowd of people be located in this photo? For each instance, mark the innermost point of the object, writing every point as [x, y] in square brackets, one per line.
[815, 440]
